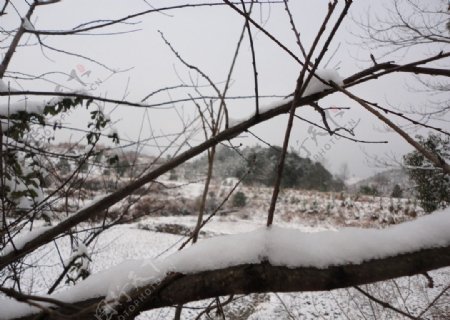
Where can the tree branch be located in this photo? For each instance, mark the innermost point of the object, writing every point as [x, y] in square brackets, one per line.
[263, 277]
[435, 159]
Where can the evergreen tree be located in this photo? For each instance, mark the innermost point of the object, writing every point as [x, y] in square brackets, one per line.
[239, 199]
[64, 166]
[432, 184]
[122, 166]
[369, 190]
[397, 192]
[298, 172]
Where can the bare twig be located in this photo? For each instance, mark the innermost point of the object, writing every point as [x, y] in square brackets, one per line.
[435, 159]
[294, 29]
[384, 304]
[252, 48]
[271, 37]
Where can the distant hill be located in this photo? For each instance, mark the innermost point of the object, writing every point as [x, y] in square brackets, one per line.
[262, 163]
[385, 182]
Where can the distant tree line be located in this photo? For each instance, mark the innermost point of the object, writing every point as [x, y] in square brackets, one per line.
[261, 163]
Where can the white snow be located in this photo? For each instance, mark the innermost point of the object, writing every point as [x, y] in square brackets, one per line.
[27, 24]
[293, 248]
[10, 309]
[276, 104]
[279, 246]
[6, 87]
[80, 251]
[27, 106]
[327, 75]
[353, 180]
[314, 86]
[23, 238]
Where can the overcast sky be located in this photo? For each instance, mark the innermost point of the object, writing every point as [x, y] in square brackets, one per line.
[206, 37]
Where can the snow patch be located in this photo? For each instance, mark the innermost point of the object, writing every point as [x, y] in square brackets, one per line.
[27, 106]
[327, 75]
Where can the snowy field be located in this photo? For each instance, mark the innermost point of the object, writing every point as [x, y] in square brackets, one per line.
[125, 242]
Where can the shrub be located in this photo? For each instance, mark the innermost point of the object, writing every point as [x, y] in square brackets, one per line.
[369, 190]
[397, 192]
[239, 199]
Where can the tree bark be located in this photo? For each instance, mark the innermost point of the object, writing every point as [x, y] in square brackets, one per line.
[259, 278]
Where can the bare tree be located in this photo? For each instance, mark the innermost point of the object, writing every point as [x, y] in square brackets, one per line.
[406, 28]
[213, 125]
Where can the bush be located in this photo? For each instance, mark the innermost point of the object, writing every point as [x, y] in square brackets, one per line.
[239, 199]
[397, 192]
[369, 190]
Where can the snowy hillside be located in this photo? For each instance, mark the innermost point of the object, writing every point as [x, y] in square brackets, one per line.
[385, 182]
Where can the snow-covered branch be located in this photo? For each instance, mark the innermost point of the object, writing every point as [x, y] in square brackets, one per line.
[269, 259]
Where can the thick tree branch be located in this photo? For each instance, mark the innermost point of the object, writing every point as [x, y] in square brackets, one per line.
[259, 278]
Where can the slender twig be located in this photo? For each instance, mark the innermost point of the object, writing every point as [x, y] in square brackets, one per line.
[285, 307]
[271, 37]
[384, 304]
[294, 29]
[2, 11]
[77, 30]
[252, 49]
[389, 67]
[15, 41]
[321, 110]
[225, 200]
[300, 88]
[433, 302]
[435, 159]
[213, 306]
[339, 135]
[26, 298]
[401, 115]
[76, 95]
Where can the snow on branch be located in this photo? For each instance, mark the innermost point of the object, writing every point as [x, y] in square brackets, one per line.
[318, 83]
[400, 250]
[25, 105]
[21, 238]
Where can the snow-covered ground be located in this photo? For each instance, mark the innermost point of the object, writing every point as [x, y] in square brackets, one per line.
[412, 293]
